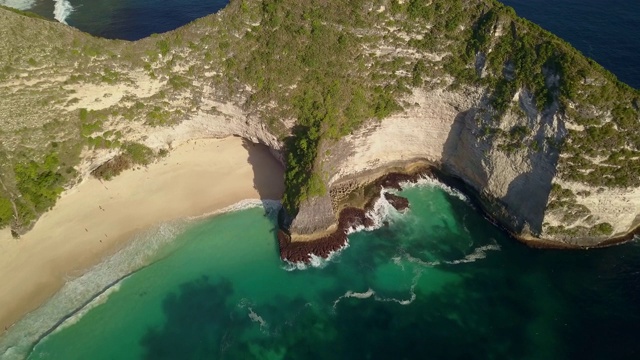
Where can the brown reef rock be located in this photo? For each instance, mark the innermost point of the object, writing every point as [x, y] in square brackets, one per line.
[350, 217]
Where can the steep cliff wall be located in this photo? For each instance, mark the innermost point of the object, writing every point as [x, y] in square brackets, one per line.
[514, 181]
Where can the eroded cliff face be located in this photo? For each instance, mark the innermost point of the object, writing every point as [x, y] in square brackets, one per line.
[513, 178]
[215, 119]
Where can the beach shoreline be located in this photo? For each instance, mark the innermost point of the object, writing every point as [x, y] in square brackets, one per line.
[95, 219]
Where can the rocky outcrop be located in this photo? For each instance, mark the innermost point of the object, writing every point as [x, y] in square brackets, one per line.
[315, 217]
[398, 202]
[300, 248]
[323, 246]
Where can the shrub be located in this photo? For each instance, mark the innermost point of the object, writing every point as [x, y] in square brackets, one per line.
[602, 229]
[40, 183]
[6, 212]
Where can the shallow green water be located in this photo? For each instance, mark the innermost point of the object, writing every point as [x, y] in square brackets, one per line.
[438, 282]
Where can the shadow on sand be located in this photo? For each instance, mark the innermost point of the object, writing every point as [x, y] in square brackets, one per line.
[268, 172]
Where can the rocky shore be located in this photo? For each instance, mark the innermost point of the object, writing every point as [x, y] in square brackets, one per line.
[349, 218]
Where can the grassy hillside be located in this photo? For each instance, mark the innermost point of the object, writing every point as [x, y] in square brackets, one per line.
[313, 71]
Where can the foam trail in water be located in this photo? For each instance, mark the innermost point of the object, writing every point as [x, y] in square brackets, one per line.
[18, 4]
[61, 10]
[477, 254]
[372, 293]
[352, 294]
[253, 316]
[421, 262]
[412, 298]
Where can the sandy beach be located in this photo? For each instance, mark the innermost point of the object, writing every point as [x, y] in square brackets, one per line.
[96, 219]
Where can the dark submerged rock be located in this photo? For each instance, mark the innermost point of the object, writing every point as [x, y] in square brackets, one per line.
[398, 202]
[350, 217]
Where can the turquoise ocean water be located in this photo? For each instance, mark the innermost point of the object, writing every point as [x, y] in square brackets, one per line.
[438, 282]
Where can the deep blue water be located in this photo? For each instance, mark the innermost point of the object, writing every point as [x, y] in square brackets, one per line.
[135, 19]
[606, 30]
[123, 19]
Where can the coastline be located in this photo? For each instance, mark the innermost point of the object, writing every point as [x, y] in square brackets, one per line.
[353, 215]
[96, 219]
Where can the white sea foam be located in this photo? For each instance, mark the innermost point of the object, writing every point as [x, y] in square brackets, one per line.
[477, 254]
[61, 10]
[412, 297]
[271, 208]
[428, 181]
[103, 279]
[421, 262]
[401, 302]
[352, 294]
[253, 316]
[77, 291]
[372, 293]
[315, 261]
[381, 212]
[264, 326]
[18, 4]
[98, 300]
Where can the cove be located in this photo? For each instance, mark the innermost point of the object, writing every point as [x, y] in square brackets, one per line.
[438, 281]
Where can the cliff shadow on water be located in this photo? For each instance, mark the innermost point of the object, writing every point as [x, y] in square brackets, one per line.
[268, 180]
[512, 185]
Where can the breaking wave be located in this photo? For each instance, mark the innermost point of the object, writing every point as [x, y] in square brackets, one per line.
[271, 208]
[79, 295]
[380, 214]
[98, 300]
[317, 262]
[61, 10]
[382, 211]
[428, 181]
[18, 4]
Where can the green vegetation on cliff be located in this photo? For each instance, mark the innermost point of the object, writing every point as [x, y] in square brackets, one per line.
[602, 147]
[313, 71]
